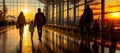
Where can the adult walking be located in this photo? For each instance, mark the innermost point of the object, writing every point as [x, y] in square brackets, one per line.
[20, 23]
[82, 25]
[40, 20]
[89, 19]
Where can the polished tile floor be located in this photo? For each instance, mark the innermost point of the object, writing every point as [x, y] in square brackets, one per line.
[52, 42]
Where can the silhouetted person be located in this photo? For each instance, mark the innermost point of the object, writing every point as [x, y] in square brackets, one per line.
[89, 19]
[20, 23]
[39, 21]
[82, 25]
[113, 38]
[95, 29]
[31, 28]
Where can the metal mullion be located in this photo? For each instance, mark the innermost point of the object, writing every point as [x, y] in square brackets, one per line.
[74, 13]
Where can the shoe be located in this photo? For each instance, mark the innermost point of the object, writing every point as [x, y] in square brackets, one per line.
[40, 39]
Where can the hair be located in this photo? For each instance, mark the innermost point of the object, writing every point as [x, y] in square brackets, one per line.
[21, 12]
[31, 21]
[96, 20]
[39, 10]
[88, 6]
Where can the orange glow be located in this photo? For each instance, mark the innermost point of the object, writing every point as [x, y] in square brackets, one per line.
[115, 14]
[25, 31]
[25, 10]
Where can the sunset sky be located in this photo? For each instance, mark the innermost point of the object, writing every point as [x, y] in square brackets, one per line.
[111, 7]
[29, 7]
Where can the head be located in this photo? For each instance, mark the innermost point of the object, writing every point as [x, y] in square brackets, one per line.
[87, 6]
[31, 21]
[39, 10]
[21, 13]
[96, 21]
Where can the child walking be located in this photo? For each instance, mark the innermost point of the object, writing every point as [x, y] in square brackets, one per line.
[96, 30]
[31, 29]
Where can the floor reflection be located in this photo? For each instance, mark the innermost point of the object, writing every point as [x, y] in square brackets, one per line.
[19, 50]
[10, 42]
[59, 43]
[35, 49]
[4, 41]
[53, 41]
[32, 49]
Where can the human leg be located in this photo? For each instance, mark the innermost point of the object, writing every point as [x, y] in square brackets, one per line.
[31, 35]
[39, 28]
[82, 37]
[88, 33]
[21, 32]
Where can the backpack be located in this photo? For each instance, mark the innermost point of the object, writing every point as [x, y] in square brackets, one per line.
[40, 18]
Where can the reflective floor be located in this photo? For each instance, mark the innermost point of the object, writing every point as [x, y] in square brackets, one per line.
[10, 41]
[53, 41]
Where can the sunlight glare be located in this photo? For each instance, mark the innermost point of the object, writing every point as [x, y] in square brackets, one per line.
[115, 14]
[26, 30]
[25, 10]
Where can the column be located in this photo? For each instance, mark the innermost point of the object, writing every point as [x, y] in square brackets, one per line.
[53, 12]
[68, 19]
[4, 9]
[75, 13]
[85, 1]
[47, 12]
[59, 12]
[102, 22]
[62, 12]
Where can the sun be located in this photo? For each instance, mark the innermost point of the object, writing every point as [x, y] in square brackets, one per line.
[25, 10]
[115, 14]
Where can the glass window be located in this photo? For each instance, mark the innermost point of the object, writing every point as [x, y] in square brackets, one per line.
[29, 7]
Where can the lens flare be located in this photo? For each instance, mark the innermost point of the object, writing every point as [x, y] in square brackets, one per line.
[115, 14]
[25, 10]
